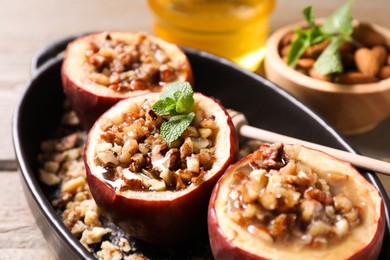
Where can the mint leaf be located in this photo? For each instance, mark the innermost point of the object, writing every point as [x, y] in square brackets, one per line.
[179, 93]
[314, 34]
[330, 59]
[176, 87]
[340, 22]
[176, 125]
[308, 14]
[305, 39]
[176, 101]
[315, 39]
[337, 28]
[165, 107]
[297, 48]
[184, 101]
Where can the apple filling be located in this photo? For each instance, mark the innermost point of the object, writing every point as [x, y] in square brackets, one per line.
[280, 199]
[131, 64]
[132, 155]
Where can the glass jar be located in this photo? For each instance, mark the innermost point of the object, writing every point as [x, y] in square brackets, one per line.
[234, 29]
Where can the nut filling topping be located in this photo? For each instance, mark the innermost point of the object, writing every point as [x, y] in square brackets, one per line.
[130, 65]
[133, 155]
[279, 200]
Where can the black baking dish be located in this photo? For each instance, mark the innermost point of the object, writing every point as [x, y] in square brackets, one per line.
[265, 105]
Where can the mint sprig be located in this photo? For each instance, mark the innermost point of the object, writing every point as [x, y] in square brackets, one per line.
[340, 22]
[172, 129]
[176, 101]
[305, 39]
[337, 28]
[330, 59]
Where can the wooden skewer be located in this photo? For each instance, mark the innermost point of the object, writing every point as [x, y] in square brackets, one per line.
[245, 130]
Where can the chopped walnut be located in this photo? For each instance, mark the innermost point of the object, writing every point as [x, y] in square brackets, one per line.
[93, 236]
[130, 65]
[134, 152]
[281, 199]
[62, 164]
[79, 211]
[109, 251]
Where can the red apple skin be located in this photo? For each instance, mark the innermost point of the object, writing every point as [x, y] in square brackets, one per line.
[90, 105]
[162, 221]
[224, 248]
[221, 247]
[373, 249]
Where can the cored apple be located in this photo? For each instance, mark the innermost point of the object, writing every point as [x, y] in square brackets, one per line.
[101, 69]
[155, 190]
[292, 202]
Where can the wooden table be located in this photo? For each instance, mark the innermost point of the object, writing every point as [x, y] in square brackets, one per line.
[25, 26]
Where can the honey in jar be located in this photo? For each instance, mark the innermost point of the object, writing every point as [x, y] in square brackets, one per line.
[234, 29]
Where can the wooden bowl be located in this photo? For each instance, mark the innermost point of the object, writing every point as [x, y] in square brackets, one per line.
[351, 109]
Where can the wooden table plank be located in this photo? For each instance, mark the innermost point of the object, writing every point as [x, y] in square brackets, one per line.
[20, 237]
[27, 253]
[9, 97]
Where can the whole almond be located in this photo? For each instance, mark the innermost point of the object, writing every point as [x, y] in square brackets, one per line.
[355, 78]
[315, 74]
[368, 36]
[305, 63]
[288, 38]
[366, 62]
[315, 50]
[284, 51]
[380, 53]
[384, 73]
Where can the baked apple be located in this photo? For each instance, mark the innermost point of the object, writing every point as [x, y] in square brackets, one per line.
[101, 69]
[158, 190]
[292, 202]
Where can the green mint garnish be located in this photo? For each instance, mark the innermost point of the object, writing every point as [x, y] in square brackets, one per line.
[305, 39]
[176, 125]
[330, 59]
[340, 22]
[176, 101]
[165, 106]
[297, 48]
[177, 97]
[337, 28]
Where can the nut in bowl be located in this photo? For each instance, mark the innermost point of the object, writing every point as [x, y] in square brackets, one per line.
[353, 100]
